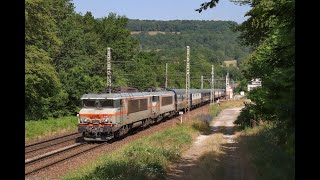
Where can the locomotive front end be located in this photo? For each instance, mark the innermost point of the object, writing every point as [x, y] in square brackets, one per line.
[98, 118]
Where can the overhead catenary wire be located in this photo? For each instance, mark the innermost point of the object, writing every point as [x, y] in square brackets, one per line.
[168, 77]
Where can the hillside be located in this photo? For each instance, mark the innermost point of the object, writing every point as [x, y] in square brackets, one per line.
[214, 39]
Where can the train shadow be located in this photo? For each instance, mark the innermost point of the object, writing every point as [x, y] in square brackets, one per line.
[79, 140]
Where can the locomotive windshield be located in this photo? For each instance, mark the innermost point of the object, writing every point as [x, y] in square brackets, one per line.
[101, 103]
[88, 103]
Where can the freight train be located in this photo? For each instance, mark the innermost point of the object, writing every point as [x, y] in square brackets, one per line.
[111, 115]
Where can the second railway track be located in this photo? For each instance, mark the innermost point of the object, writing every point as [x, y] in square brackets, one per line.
[50, 140]
[46, 160]
[48, 145]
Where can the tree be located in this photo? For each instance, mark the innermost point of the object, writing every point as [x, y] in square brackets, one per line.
[270, 30]
[40, 26]
[43, 94]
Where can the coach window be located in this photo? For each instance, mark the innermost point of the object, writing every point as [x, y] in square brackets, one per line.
[155, 98]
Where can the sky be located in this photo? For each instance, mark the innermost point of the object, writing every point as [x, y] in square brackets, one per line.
[162, 9]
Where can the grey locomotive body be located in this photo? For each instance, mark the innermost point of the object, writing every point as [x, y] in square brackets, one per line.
[105, 116]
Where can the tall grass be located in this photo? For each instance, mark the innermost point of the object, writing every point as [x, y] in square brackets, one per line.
[146, 158]
[36, 129]
[271, 160]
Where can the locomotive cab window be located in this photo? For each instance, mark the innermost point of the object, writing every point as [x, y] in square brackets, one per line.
[88, 103]
[98, 103]
[155, 98]
[106, 103]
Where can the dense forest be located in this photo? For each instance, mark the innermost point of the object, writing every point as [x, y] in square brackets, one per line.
[216, 40]
[66, 54]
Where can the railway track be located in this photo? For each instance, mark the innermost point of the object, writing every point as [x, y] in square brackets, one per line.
[51, 144]
[46, 160]
[43, 163]
[50, 140]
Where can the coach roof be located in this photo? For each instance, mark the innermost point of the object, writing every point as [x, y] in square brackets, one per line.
[124, 95]
[192, 91]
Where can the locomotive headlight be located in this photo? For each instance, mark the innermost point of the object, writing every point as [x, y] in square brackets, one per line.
[106, 120]
[78, 116]
[82, 119]
[87, 120]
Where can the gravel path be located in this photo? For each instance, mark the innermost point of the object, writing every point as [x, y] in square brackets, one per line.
[188, 167]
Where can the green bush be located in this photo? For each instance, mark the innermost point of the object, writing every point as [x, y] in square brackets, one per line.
[202, 124]
[247, 114]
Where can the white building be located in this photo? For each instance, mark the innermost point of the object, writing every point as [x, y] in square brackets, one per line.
[254, 84]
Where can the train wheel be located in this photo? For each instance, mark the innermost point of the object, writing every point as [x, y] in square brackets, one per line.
[116, 134]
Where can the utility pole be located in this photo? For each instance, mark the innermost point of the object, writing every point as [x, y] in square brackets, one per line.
[201, 82]
[166, 86]
[227, 79]
[212, 84]
[109, 73]
[188, 80]
[227, 86]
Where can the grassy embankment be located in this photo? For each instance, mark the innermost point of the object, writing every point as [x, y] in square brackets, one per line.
[271, 161]
[48, 127]
[148, 158]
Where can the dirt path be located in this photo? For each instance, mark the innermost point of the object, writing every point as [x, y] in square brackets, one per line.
[214, 156]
